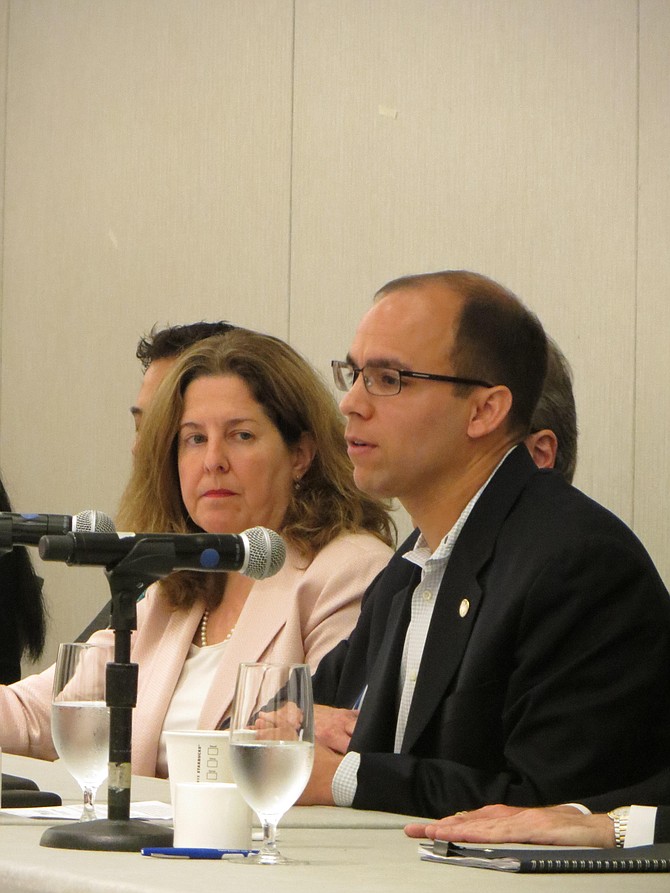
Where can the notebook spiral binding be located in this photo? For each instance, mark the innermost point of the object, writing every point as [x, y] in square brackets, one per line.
[595, 865]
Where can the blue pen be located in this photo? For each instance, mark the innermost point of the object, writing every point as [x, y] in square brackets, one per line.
[185, 852]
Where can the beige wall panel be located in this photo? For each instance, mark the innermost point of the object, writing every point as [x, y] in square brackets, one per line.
[496, 135]
[4, 13]
[652, 453]
[147, 179]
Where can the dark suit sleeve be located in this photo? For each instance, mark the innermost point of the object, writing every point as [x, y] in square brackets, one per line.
[648, 792]
[100, 621]
[586, 655]
[326, 680]
[662, 828]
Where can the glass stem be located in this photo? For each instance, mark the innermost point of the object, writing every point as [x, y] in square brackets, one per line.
[88, 813]
[269, 846]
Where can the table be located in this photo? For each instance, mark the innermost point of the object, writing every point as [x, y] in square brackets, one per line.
[341, 848]
[55, 777]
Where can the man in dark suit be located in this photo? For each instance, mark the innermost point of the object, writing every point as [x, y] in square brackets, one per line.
[514, 644]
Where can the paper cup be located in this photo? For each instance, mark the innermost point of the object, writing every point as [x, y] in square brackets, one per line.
[211, 815]
[197, 756]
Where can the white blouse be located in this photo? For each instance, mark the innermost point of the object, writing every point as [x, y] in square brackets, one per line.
[189, 695]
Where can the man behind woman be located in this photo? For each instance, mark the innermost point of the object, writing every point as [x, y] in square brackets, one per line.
[242, 432]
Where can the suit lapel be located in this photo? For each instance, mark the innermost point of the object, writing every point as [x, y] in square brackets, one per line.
[460, 595]
[455, 611]
[375, 728]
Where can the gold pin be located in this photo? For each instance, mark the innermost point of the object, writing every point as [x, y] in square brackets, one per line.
[464, 607]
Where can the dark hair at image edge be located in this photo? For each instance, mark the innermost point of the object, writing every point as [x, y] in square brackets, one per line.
[22, 590]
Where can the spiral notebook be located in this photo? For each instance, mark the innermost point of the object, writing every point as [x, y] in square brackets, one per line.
[655, 857]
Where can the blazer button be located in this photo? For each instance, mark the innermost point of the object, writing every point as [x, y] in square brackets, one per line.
[464, 607]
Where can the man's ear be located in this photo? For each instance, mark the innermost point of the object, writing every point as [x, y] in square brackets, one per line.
[489, 410]
[542, 446]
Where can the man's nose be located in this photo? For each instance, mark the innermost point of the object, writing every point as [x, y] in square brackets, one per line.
[356, 400]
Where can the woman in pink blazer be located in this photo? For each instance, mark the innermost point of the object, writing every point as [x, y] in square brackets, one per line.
[242, 432]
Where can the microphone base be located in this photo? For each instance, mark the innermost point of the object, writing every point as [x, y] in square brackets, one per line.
[114, 835]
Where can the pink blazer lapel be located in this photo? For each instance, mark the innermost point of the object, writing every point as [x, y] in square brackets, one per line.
[261, 621]
[157, 681]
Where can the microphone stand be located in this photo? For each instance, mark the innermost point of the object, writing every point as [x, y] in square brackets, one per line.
[144, 564]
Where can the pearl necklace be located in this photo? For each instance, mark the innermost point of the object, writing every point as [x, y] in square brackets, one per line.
[203, 630]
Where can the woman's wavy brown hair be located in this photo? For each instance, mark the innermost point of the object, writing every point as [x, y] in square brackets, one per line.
[296, 400]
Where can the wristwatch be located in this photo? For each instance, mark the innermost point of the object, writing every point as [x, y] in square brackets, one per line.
[620, 818]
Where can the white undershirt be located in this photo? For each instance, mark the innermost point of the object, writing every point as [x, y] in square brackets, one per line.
[189, 695]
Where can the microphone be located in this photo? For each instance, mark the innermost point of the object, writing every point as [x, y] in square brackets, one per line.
[28, 529]
[257, 553]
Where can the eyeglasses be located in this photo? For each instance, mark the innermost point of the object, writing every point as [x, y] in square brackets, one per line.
[382, 382]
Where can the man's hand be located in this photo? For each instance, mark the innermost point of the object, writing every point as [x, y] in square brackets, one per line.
[319, 787]
[333, 727]
[550, 825]
[283, 724]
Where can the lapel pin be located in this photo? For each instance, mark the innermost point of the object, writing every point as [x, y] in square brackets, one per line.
[464, 607]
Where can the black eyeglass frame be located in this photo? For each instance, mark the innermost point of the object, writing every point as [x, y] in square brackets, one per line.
[338, 365]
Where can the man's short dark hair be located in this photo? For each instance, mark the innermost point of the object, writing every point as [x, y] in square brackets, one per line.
[161, 344]
[556, 410]
[498, 339]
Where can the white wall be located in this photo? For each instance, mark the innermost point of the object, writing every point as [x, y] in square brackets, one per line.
[274, 162]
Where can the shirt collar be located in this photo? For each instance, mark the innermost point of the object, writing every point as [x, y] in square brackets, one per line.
[420, 554]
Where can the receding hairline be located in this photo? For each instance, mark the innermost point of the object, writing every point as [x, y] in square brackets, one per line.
[443, 284]
[465, 286]
[460, 283]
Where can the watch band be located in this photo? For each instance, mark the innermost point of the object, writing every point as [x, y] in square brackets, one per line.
[620, 818]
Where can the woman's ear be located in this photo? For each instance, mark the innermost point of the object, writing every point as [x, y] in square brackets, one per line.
[303, 455]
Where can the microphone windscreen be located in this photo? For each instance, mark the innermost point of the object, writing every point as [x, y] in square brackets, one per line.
[92, 521]
[267, 553]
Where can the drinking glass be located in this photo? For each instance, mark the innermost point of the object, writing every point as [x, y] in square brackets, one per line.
[80, 716]
[272, 743]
